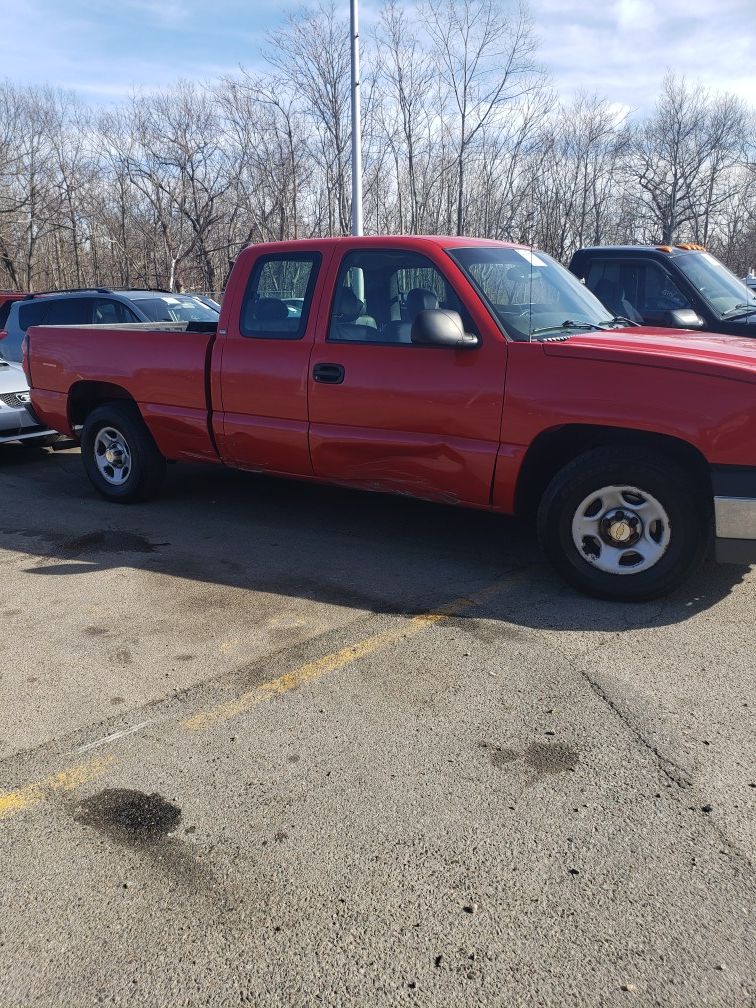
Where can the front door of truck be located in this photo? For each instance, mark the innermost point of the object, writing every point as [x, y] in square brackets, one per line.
[264, 364]
[387, 414]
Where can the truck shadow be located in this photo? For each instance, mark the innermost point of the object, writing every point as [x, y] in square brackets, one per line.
[372, 552]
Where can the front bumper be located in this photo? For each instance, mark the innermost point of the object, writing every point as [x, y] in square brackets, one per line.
[735, 514]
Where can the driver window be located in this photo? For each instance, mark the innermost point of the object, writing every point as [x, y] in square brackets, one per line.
[379, 293]
[658, 291]
[107, 312]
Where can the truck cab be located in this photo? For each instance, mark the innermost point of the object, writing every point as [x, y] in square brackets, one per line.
[677, 287]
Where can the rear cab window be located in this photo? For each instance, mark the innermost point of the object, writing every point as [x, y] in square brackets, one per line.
[278, 297]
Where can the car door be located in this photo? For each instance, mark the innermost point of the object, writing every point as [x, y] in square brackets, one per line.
[642, 290]
[108, 311]
[387, 414]
[264, 361]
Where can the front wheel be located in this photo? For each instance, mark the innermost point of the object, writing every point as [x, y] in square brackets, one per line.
[625, 524]
[120, 457]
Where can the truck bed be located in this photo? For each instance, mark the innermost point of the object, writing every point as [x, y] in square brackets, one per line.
[163, 367]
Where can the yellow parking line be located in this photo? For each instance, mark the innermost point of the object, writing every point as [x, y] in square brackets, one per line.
[13, 802]
[335, 660]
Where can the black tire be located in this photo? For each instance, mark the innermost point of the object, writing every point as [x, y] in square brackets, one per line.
[147, 466]
[686, 531]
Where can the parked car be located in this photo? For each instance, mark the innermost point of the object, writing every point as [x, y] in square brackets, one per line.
[6, 300]
[17, 421]
[206, 299]
[459, 370]
[102, 306]
[681, 286]
[750, 280]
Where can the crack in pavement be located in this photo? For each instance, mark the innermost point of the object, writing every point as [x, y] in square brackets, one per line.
[670, 768]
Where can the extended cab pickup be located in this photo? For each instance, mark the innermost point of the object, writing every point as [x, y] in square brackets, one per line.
[681, 286]
[457, 370]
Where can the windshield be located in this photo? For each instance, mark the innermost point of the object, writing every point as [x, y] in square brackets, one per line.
[529, 292]
[176, 308]
[726, 294]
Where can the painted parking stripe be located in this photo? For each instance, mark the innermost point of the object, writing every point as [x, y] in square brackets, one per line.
[13, 802]
[335, 660]
[67, 780]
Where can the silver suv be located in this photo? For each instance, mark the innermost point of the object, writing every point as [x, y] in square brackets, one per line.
[98, 306]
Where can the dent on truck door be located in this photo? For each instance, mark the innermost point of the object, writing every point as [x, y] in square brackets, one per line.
[265, 362]
[386, 414]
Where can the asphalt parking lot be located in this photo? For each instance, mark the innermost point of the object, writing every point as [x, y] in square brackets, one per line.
[284, 745]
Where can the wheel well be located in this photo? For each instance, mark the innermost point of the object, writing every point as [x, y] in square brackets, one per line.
[554, 449]
[86, 395]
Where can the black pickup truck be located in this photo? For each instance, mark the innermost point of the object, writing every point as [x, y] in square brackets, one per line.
[675, 286]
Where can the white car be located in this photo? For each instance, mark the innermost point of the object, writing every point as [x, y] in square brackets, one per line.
[17, 421]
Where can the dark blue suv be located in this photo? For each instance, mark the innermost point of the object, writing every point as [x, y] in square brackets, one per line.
[98, 306]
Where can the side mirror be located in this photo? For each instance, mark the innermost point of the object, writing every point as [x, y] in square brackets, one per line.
[683, 318]
[441, 327]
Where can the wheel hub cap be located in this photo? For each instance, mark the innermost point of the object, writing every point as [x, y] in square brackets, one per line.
[112, 455]
[620, 527]
[621, 530]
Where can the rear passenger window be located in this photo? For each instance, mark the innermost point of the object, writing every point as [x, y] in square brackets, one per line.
[31, 314]
[71, 311]
[279, 293]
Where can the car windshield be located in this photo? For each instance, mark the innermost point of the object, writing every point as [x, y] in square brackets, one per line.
[726, 294]
[530, 293]
[176, 308]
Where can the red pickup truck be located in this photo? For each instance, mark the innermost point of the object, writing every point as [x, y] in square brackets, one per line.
[452, 369]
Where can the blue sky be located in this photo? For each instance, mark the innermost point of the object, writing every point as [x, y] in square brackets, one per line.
[620, 48]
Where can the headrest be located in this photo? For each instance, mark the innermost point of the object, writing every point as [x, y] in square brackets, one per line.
[419, 299]
[270, 309]
[348, 305]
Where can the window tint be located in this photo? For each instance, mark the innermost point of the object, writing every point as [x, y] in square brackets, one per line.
[31, 313]
[379, 293]
[278, 297]
[107, 312]
[176, 308]
[69, 311]
[643, 286]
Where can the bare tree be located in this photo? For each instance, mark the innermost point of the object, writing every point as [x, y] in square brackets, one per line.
[486, 59]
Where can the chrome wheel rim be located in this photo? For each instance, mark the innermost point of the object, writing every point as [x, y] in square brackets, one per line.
[112, 455]
[621, 530]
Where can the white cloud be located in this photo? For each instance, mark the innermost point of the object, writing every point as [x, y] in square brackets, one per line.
[622, 48]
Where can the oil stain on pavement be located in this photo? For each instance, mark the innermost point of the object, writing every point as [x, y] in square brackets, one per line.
[130, 817]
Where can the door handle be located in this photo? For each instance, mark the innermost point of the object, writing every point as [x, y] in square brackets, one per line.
[328, 374]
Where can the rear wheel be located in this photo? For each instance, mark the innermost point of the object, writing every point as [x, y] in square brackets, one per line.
[120, 456]
[624, 523]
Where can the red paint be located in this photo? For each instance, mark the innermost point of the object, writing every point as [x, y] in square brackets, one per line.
[451, 425]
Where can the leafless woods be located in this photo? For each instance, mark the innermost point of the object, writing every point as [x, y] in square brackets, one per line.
[463, 133]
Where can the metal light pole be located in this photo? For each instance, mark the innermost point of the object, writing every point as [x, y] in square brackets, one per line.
[356, 125]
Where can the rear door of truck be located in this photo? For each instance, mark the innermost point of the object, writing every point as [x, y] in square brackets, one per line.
[261, 381]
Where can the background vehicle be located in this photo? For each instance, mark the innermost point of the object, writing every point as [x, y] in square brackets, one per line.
[17, 421]
[750, 280]
[102, 306]
[6, 300]
[451, 369]
[681, 286]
